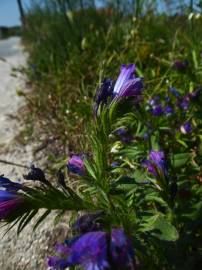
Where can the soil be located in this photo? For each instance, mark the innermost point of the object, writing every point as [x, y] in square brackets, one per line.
[30, 249]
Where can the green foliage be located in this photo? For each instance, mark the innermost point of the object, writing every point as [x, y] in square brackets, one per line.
[69, 54]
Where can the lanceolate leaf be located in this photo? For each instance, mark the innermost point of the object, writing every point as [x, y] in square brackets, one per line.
[181, 159]
[160, 227]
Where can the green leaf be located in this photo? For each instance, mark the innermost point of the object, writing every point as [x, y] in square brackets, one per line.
[26, 219]
[42, 217]
[180, 160]
[161, 228]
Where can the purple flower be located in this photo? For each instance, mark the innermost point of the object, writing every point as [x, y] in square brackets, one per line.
[186, 128]
[184, 105]
[180, 65]
[146, 136]
[168, 110]
[9, 202]
[174, 91]
[8, 184]
[114, 164]
[156, 162]
[150, 167]
[90, 251]
[87, 223]
[124, 135]
[157, 110]
[127, 84]
[57, 263]
[121, 250]
[76, 165]
[97, 251]
[157, 158]
[103, 93]
[154, 101]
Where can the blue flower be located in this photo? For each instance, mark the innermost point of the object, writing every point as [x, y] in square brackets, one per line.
[157, 110]
[76, 165]
[104, 92]
[186, 128]
[121, 250]
[57, 263]
[124, 135]
[97, 251]
[127, 84]
[174, 91]
[168, 110]
[87, 223]
[90, 251]
[156, 163]
[8, 184]
[185, 104]
[9, 203]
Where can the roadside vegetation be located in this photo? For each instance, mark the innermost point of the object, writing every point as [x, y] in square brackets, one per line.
[72, 49]
[132, 182]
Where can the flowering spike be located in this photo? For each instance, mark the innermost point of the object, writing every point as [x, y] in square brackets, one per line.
[97, 250]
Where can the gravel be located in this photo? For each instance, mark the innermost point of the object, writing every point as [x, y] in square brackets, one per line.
[30, 249]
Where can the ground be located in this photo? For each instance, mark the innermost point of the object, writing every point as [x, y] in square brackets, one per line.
[29, 250]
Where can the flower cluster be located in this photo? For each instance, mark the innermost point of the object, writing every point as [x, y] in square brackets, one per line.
[175, 107]
[130, 186]
[96, 250]
[126, 85]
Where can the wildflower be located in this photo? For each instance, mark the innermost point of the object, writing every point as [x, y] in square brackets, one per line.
[168, 110]
[124, 135]
[158, 158]
[185, 104]
[121, 250]
[146, 136]
[90, 251]
[186, 128]
[97, 250]
[174, 91]
[180, 65]
[154, 101]
[157, 110]
[103, 93]
[114, 164]
[8, 184]
[156, 162]
[57, 263]
[76, 165]
[9, 203]
[127, 84]
[87, 223]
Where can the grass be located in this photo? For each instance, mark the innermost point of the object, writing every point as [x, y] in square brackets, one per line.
[70, 53]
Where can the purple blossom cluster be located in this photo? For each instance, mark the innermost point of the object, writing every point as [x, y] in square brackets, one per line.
[96, 250]
[126, 85]
[174, 105]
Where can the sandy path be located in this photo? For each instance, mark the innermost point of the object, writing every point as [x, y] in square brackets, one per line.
[30, 249]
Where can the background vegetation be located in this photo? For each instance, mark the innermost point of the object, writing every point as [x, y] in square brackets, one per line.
[73, 45]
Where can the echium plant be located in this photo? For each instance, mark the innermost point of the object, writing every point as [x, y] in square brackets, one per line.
[137, 195]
